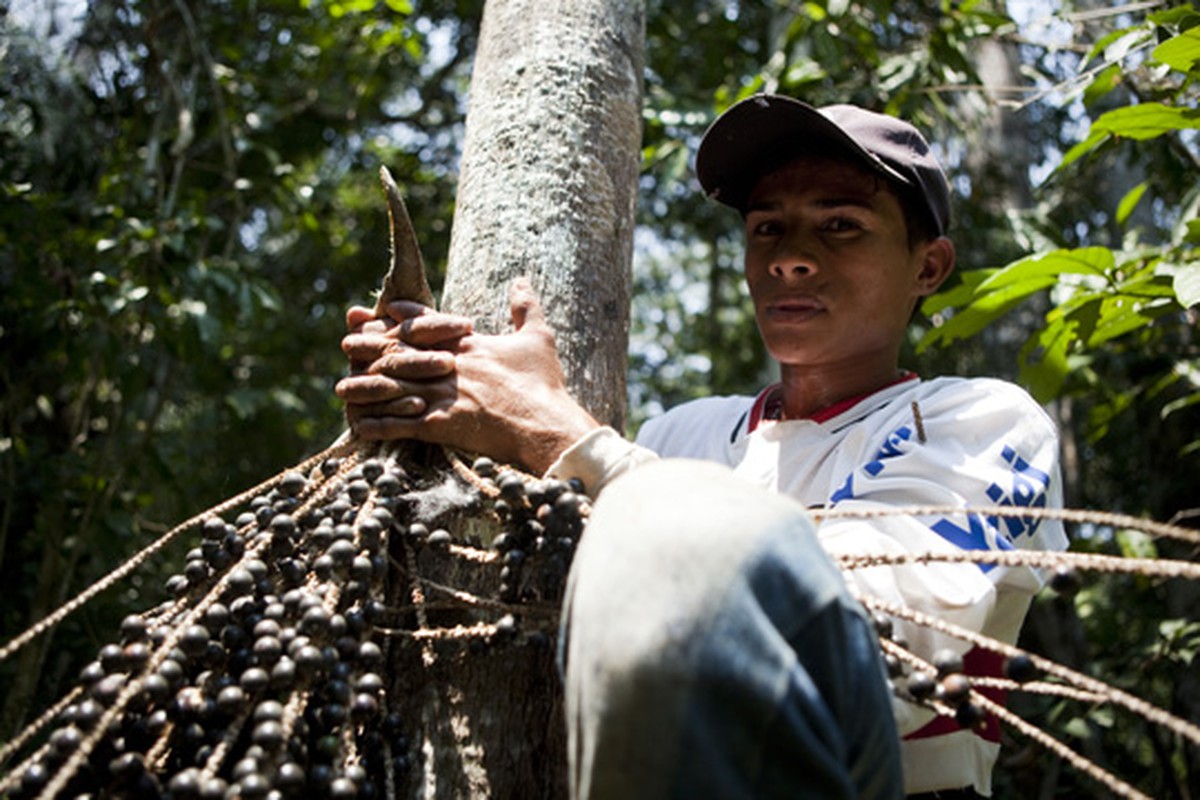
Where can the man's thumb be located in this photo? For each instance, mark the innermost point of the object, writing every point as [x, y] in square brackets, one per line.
[523, 300]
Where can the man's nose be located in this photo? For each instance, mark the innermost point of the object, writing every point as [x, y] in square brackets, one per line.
[793, 268]
[793, 258]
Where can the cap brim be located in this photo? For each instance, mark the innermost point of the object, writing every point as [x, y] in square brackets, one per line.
[760, 133]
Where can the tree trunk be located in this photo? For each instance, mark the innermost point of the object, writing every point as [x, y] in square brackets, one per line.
[1000, 156]
[549, 179]
[547, 189]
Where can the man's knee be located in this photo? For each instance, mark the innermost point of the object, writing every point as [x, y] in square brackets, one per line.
[672, 545]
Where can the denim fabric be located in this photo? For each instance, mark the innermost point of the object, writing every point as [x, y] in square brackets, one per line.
[711, 650]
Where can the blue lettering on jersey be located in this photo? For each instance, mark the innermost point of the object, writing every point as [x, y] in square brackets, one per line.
[978, 535]
[892, 447]
[844, 493]
[1028, 490]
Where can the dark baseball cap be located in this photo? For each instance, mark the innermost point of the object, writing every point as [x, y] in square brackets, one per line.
[765, 131]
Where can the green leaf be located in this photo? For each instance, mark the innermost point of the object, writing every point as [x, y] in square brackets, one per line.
[1117, 317]
[268, 299]
[1094, 139]
[1104, 42]
[1140, 122]
[803, 72]
[1135, 544]
[1102, 716]
[1103, 83]
[1180, 404]
[976, 316]
[1146, 121]
[1181, 16]
[1077, 728]
[1130, 200]
[814, 11]
[1044, 364]
[1102, 414]
[1183, 639]
[1038, 271]
[1193, 231]
[1152, 279]
[1187, 283]
[1180, 52]
[959, 294]
[1087, 315]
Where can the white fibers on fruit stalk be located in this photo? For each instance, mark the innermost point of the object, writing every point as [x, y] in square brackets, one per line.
[433, 501]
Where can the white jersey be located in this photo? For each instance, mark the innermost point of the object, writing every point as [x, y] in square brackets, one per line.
[964, 443]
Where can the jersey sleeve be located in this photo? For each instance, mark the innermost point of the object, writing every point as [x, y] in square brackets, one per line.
[979, 445]
[597, 458]
[700, 429]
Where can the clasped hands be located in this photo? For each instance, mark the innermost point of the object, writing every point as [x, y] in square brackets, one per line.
[422, 374]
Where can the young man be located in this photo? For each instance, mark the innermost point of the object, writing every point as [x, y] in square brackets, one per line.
[711, 648]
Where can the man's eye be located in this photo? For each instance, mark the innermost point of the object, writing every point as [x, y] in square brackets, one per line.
[767, 228]
[841, 225]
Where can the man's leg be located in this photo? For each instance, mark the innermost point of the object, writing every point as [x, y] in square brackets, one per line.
[712, 650]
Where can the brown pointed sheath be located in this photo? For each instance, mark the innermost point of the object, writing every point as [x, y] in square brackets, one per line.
[405, 279]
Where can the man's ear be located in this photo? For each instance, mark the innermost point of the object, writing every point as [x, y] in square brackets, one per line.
[937, 262]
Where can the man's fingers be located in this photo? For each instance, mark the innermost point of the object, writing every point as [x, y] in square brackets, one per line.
[363, 320]
[410, 405]
[424, 327]
[524, 304]
[398, 360]
[401, 310]
[435, 330]
[362, 389]
[373, 392]
[374, 428]
[360, 347]
[414, 365]
[357, 316]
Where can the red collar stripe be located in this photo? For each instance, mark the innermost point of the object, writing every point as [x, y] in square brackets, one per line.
[769, 404]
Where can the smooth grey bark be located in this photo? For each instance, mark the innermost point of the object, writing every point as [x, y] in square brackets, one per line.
[547, 188]
[1001, 154]
[549, 178]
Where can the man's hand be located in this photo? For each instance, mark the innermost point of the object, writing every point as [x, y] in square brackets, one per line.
[400, 359]
[428, 376]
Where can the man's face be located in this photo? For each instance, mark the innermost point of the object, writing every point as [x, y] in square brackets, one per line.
[833, 279]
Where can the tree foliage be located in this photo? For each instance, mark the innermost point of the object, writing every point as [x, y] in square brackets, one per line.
[187, 207]
[1121, 291]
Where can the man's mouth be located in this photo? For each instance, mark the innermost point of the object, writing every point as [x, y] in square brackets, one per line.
[795, 308]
